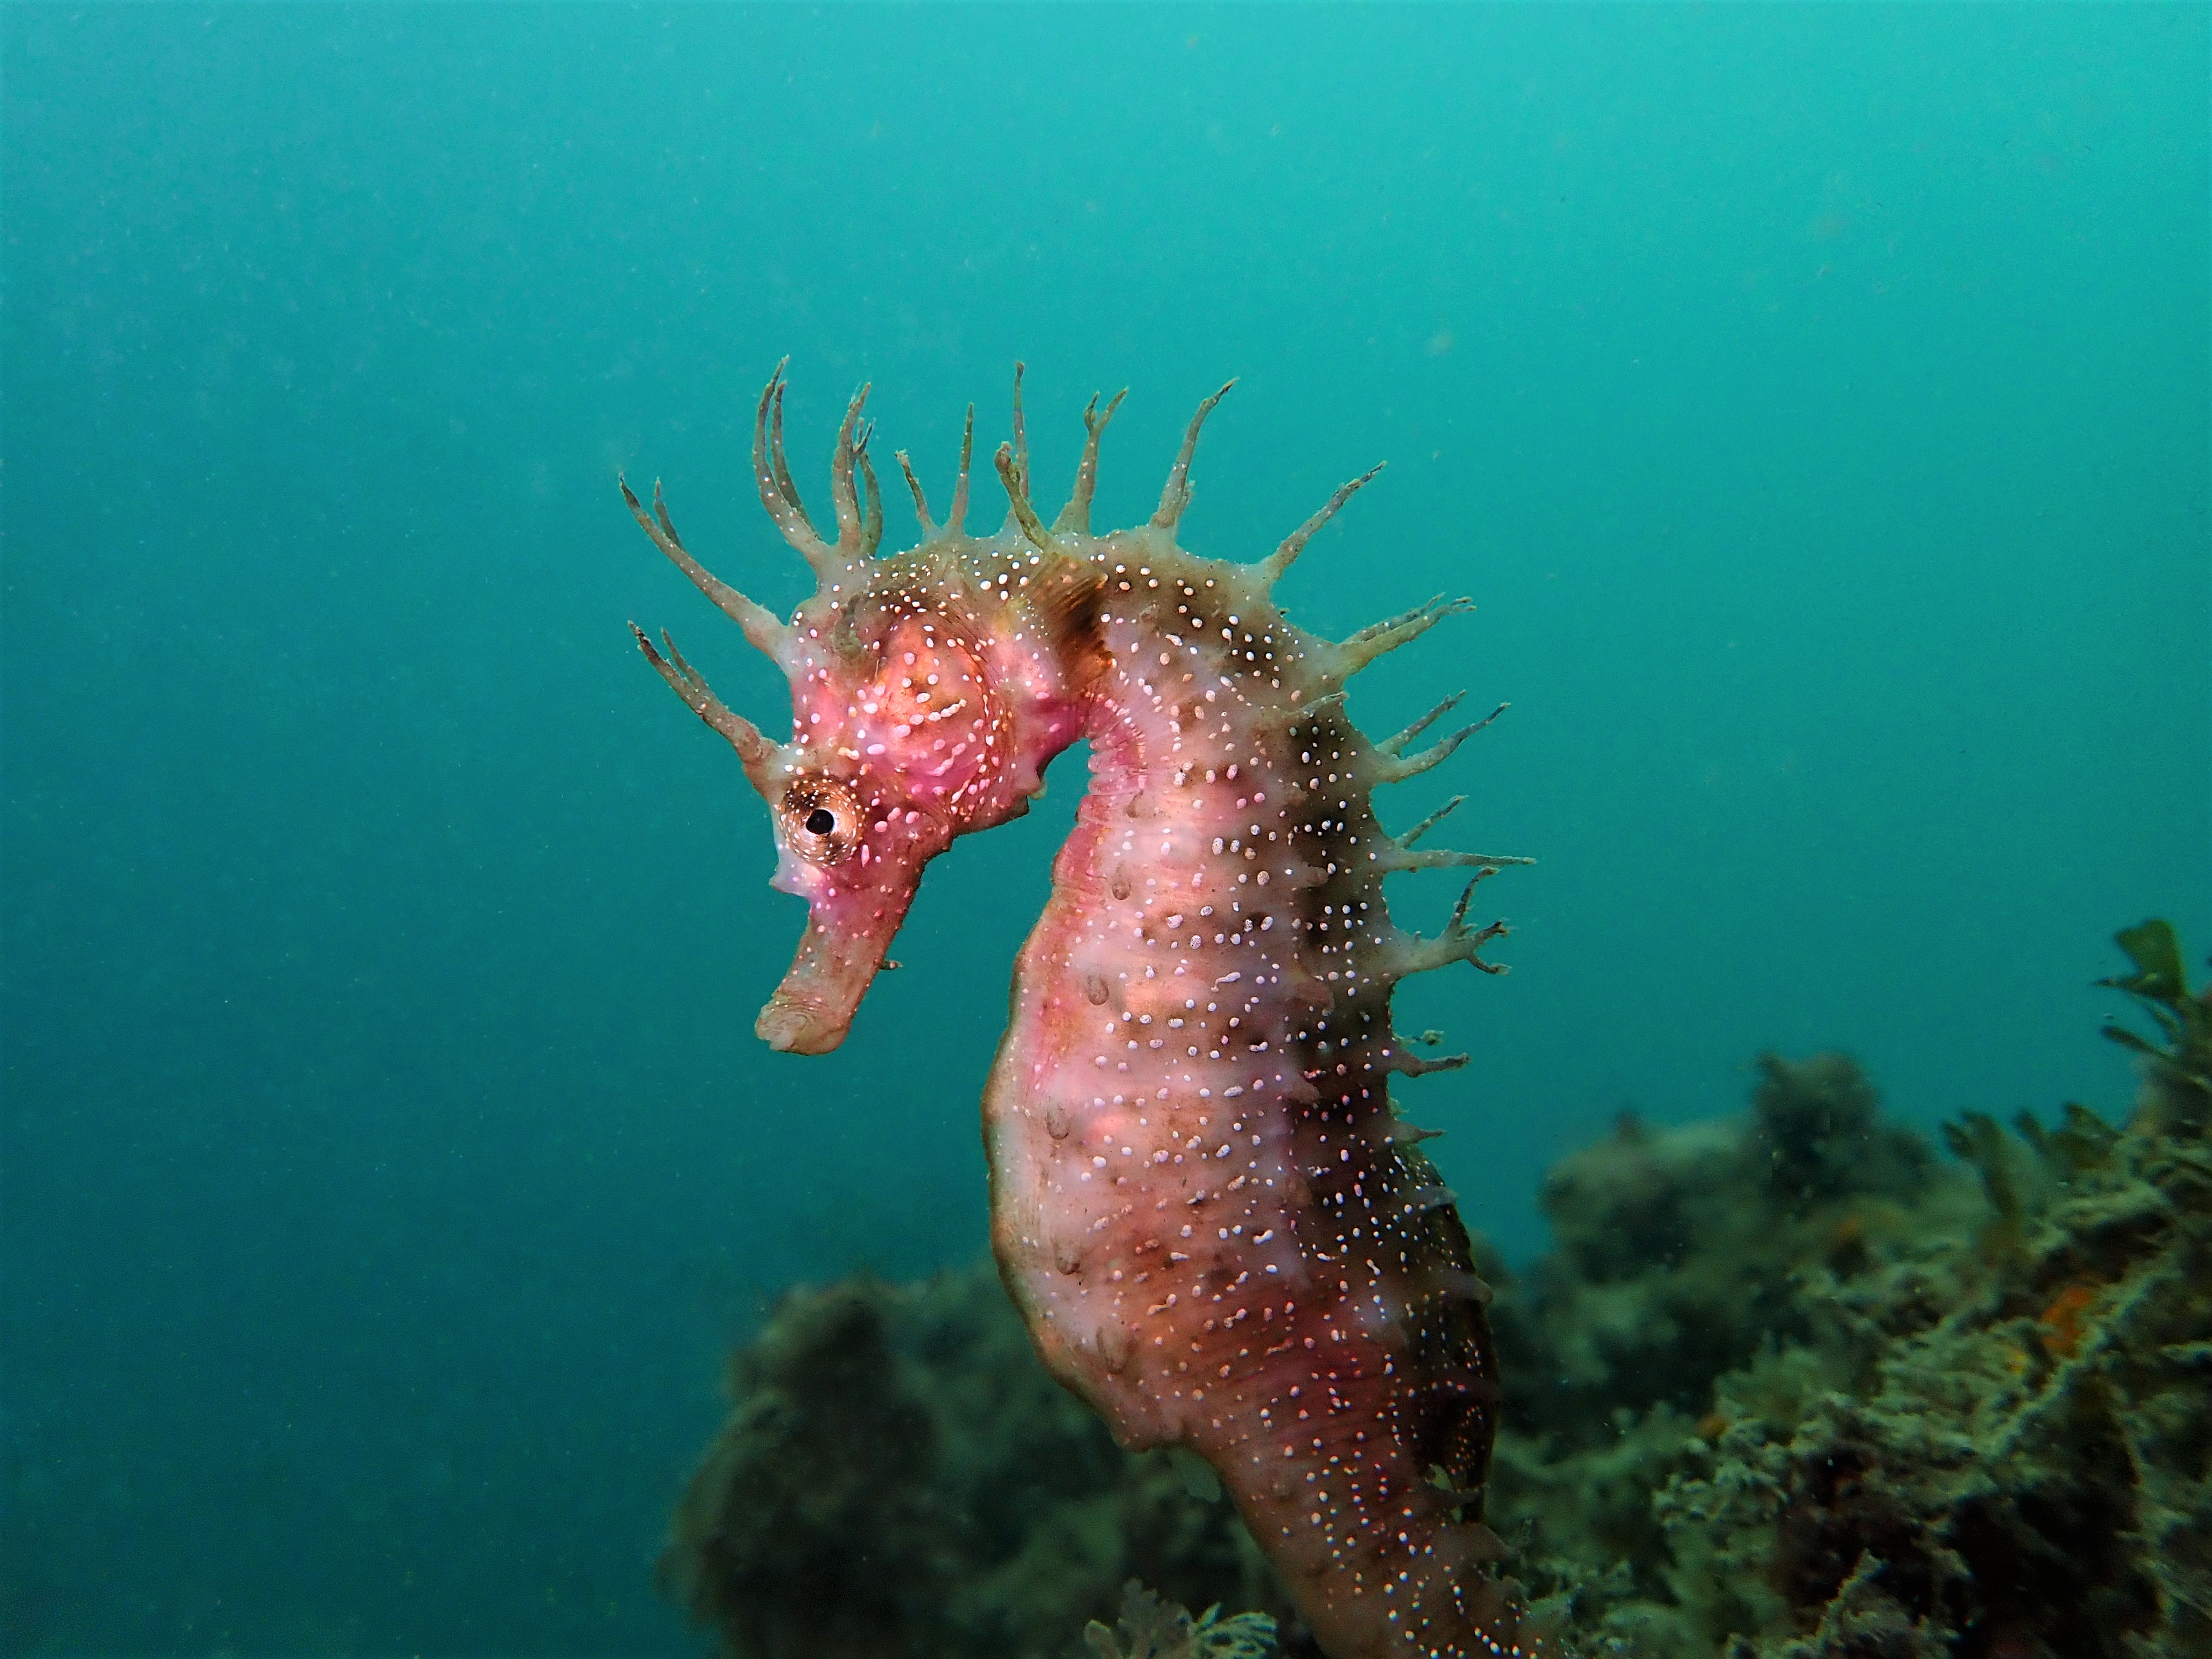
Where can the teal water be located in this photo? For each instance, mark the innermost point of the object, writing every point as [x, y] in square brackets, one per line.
[1814, 400]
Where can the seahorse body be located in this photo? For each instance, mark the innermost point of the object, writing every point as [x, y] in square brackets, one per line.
[1219, 1232]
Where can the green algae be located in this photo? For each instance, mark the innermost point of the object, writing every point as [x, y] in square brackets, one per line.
[1151, 1628]
[1958, 1411]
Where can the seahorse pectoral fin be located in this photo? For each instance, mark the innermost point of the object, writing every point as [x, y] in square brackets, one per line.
[1063, 594]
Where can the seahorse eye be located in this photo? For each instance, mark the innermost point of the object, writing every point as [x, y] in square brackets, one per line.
[822, 819]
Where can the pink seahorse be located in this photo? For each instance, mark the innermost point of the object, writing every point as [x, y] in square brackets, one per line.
[1219, 1232]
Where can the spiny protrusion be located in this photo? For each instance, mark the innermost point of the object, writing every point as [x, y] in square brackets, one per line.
[785, 485]
[921, 500]
[1406, 1062]
[1465, 1287]
[1464, 1498]
[1176, 497]
[1430, 822]
[1399, 857]
[873, 529]
[1396, 745]
[1457, 943]
[1397, 769]
[956, 521]
[1021, 443]
[1012, 475]
[772, 472]
[1283, 717]
[1271, 567]
[754, 750]
[1411, 1134]
[1076, 515]
[1372, 640]
[872, 496]
[760, 625]
[851, 531]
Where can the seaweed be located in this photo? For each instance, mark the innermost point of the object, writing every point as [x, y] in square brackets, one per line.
[1680, 1252]
[1150, 1628]
[2180, 1067]
[816, 1525]
[1984, 1431]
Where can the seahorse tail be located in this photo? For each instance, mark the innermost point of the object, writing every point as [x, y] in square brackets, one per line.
[1428, 1595]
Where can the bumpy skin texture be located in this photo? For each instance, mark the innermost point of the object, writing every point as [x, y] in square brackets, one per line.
[1218, 1231]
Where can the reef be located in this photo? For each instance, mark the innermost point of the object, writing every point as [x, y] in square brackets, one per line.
[1799, 1386]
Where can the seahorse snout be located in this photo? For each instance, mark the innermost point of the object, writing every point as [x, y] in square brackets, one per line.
[792, 1028]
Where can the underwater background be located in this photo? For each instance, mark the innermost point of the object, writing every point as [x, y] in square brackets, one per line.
[1812, 399]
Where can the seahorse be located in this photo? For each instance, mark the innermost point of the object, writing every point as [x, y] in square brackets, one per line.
[1219, 1232]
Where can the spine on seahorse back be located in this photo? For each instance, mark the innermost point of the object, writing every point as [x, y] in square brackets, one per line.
[1218, 1231]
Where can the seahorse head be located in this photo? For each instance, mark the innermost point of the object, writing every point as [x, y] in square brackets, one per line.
[901, 742]
[928, 690]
